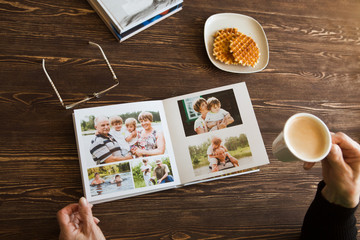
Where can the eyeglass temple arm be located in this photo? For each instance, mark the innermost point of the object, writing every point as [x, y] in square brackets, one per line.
[106, 60]
[52, 84]
[95, 95]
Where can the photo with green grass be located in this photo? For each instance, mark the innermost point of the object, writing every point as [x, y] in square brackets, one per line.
[237, 146]
[138, 177]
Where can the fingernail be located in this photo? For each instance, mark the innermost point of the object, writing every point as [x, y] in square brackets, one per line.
[83, 201]
[96, 220]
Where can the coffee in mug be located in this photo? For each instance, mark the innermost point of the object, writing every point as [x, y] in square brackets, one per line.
[304, 137]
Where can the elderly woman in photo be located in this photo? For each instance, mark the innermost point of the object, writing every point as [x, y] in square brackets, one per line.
[200, 106]
[151, 142]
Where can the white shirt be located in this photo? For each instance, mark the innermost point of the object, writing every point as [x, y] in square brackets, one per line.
[210, 116]
[133, 140]
[200, 123]
[120, 138]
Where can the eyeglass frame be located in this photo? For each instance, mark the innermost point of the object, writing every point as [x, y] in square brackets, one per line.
[95, 95]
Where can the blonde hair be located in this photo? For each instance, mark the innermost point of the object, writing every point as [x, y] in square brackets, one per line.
[116, 119]
[212, 102]
[216, 140]
[145, 115]
[197, 103]
[130, 121]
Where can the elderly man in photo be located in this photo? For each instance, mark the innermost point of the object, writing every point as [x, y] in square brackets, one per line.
[104, 148]
[161, 171]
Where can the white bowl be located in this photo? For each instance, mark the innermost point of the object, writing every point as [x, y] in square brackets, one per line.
[246, 25]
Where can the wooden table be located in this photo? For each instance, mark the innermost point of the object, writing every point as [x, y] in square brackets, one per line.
[314, 67]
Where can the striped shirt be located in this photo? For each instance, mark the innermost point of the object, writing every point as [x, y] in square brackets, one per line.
[103, 147]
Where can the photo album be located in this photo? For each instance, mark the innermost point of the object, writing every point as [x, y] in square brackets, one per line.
[143, 147]
[126, 18]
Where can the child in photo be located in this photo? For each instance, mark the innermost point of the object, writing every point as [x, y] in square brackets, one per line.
[117, 179]
[116, 123]
[146, 171]
[131, 134]
[217, 153]
[217, 118]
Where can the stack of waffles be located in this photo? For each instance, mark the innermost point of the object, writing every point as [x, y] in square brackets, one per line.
[233, 47]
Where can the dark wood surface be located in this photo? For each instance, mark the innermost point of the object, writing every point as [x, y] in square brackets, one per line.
[314, 67]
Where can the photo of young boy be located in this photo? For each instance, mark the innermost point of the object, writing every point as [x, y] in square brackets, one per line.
[209, 112]
[116, 123]
[215, 154]
[216, 118]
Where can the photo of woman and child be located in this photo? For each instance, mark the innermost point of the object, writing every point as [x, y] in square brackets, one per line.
[113, 142]
[212, 117]
[209, 112]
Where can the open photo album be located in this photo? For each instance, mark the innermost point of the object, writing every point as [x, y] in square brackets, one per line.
[143, 147]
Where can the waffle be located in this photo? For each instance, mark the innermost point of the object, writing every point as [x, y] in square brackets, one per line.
[244, 50]
[221, 50]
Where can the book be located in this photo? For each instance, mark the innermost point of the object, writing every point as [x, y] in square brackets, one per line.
[137, 148]
[127, 18]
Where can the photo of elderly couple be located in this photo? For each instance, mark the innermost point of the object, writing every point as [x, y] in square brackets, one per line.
[121, 176]
[124, 136]
[208, 116]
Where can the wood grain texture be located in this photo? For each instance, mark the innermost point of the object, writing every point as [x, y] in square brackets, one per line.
[314, 67]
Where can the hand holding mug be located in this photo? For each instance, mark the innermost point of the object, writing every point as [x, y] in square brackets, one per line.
[341, 171]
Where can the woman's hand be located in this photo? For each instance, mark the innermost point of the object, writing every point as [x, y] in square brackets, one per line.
[341, 172]
[77, 222]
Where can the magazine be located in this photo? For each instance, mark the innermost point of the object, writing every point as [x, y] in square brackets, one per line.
[126, 18]
[137, 148]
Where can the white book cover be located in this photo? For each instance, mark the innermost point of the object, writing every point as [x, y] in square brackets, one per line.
[128, 14]
[174, 142]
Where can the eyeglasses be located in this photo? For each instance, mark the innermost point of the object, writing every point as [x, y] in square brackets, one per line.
[94, 95]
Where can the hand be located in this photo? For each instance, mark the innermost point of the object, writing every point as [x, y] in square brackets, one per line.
[77, 222]
[134, 134]
[341, 172]
[139, 152]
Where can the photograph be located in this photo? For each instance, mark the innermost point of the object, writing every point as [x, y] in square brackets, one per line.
[110, 178]
[209, 112]
[123, 136]
[217, 154]
[151, 171]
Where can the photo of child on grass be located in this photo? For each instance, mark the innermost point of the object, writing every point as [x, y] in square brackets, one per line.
[215, 154]
[110, 178]
[148, 172]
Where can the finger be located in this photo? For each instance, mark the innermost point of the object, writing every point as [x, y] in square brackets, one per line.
[308, 165]
[345, 142]
[96, 220]
[335, 158]
[63, 215]
[85, 214]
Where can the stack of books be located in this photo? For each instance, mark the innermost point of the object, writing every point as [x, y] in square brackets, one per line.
[126, 18]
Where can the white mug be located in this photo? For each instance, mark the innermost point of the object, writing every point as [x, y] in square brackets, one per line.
[304, 137]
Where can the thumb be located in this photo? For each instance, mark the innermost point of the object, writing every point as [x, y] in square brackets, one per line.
[86, 214]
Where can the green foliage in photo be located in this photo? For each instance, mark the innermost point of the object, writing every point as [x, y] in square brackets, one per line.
[138, 176]
[238, 147]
